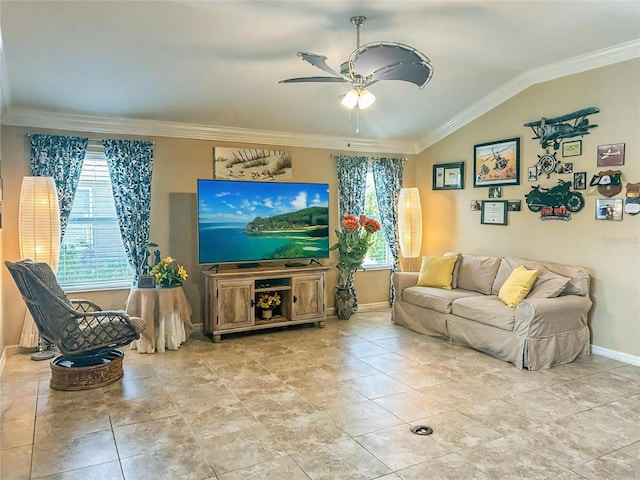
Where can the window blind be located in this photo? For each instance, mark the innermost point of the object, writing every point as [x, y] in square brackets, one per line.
[92, 255]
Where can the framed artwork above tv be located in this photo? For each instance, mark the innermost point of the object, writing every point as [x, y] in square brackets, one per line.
[251, 164]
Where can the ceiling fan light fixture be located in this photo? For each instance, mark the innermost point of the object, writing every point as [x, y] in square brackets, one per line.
[365, 99]
[350, 100]
[360, 98]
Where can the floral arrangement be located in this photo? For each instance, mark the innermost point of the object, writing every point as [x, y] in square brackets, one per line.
[269, 300]
[353, 242]
[168, 273]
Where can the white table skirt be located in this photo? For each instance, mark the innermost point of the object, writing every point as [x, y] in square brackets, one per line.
[168, 316]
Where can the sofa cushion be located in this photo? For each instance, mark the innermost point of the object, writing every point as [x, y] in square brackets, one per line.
[437, 299]
[548, 284]
[456, 268]
[517, 286]
[487, 309]
[436, 272]
[477, 273]
[578, 276]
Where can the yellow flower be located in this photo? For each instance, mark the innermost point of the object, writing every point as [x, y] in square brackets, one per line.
[182, 272]
[168, 273]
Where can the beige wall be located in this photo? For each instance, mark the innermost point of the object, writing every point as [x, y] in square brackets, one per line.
[610, 250]
[177, 165]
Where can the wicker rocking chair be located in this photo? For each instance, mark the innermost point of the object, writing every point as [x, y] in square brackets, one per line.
[87, 337]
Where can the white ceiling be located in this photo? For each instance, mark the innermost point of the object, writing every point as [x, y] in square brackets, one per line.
[215, 65]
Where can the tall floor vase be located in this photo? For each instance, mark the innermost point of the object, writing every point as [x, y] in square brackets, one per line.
[343, 302]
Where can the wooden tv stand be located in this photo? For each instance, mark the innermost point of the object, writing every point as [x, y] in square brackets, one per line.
[230, 298]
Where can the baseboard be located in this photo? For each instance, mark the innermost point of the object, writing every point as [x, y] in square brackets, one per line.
[615, 355]
[8, 350]
[363, 308]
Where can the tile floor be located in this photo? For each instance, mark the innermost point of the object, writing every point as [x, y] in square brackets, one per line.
[336, 403]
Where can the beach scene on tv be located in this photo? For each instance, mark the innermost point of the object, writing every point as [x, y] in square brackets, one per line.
[253, 221]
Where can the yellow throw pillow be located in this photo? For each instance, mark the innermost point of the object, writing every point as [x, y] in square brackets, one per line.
[517, 286]
[436, 272]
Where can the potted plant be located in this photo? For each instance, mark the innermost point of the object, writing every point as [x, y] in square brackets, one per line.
[168, 273]
[354, 241]
[267, 301]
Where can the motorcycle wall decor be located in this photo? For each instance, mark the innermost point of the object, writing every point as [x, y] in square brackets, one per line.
[556, 203]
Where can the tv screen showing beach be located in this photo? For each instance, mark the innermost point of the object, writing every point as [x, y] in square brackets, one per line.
[257, 221]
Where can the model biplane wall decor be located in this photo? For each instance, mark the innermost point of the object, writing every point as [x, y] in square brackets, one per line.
[551, 131]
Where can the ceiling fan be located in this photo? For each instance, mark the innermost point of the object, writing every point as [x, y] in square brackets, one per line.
[368, 64]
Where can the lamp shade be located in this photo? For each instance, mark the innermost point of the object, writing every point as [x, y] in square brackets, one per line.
[362, 98]
[410, 222]
[39, 221]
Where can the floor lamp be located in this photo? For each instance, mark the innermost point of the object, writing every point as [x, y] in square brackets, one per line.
[39, 236]
[410, 223]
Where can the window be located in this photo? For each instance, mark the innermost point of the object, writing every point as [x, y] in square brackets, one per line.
[378, 255]
[92, 255]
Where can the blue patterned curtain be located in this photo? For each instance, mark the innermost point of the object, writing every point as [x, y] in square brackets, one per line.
[352, 186]
[130, 165]
[387, 177]
[60, 158]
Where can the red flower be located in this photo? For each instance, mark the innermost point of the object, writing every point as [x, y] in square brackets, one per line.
[370, 225]
[350, 223]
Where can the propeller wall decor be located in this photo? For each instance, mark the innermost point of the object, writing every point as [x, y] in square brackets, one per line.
[368, 64]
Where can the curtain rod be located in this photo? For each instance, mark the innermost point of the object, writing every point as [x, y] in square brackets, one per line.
[99, 140]
[333, 155]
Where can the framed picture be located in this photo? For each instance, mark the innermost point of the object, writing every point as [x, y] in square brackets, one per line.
[580, 181]
[566, 167]
[496, 163]
[572, 148]
[147, 281]
[609, 209]
[495, 192]
[251, 164]
[448, 176]
[611, 155]
[514, 205]
[532, 173]
[494, 212]
[474, 205]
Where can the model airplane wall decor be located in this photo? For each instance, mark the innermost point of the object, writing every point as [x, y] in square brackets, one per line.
[551, 131]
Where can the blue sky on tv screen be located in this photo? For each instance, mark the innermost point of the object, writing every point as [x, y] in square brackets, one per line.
[237, 201]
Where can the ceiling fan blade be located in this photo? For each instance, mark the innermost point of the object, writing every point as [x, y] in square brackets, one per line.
[318, 61]
[416, 73]
[391, 61]
[315, 79]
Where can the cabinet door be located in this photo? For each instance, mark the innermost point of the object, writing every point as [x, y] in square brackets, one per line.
[308, 297]
[234, 303]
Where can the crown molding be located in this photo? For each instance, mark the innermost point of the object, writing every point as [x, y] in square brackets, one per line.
[582, 63]
[155, 128]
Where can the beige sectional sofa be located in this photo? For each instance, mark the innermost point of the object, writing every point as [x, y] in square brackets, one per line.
[547, 328]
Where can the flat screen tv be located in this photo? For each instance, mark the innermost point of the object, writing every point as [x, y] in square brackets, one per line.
[248, 222]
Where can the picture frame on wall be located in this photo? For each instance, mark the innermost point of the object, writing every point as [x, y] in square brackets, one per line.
[251, 164]
[611, 155]
[580, 181]
[572, 148]
[496, 163]
[532, 173]
[448, 176]
[609, 209]
[494, 212]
